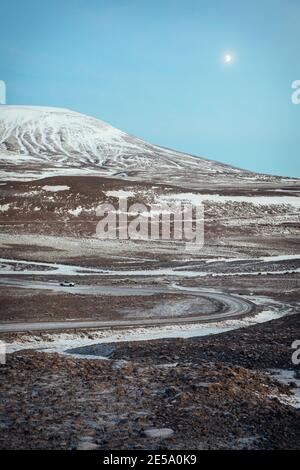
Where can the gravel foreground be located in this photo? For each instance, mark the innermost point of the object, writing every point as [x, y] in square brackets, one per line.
[199, 393]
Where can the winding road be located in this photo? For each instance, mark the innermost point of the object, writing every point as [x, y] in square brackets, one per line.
[231, 306]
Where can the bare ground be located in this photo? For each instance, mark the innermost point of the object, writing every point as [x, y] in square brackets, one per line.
[212, 392]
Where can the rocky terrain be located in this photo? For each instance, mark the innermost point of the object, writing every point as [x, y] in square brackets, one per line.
[209, 393]
[214, 319]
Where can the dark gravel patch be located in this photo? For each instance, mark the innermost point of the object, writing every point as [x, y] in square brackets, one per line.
[261, 346]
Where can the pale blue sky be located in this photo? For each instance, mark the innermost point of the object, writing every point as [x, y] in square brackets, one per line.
[154, 69]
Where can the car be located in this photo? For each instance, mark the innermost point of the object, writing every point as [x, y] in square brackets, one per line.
[67, 284]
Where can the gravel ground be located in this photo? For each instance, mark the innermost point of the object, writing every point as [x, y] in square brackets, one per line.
[201, 393]
[260, 346]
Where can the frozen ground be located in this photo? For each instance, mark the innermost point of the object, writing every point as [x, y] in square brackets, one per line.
[286, 377]
[219, 383]
[190, 329]
[60, 342]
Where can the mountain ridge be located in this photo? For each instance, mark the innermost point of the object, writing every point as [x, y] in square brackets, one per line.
[44, 140]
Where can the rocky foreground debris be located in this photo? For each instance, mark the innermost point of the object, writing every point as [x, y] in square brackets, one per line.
[261, 346]
[166, 394]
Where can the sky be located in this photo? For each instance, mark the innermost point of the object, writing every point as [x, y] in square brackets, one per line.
[156, 69]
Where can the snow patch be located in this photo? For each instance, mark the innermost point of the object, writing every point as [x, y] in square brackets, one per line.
[4, 207]
[55, 189]
[120, 194]
[76, 212]
[286, 377]
[197, 199]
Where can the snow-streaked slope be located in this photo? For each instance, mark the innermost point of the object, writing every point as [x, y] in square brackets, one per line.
[44, 141]
[73, 139]
[60, 135]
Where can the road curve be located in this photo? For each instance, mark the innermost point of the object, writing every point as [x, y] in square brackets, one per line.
[232, 306]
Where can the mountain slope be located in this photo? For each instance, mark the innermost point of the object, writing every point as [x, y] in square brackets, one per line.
[53, 141]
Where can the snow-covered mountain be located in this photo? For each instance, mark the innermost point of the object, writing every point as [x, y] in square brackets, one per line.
[57, 166]
[40, 141]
